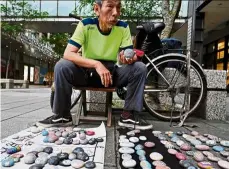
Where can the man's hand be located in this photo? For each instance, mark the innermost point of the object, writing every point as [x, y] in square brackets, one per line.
[104, 74]
[124, 60]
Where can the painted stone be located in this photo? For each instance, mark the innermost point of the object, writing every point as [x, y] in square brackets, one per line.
[92, 141]
[136, 131]
[156, 132]
[134, 139]
[76, 142]
[207, 153]
[179, 133]
[149, 144]
[172, 151]
[203, 139]
[8, 162]
[172, 135]
[194, 133]
[169, 132]
[217, 139]
[123, 140]
[198, 156]
[54, 160]
[223, 164]
[122, 136]
[169, 146]
[145, 164]
[17, 155]
[84, 142]
[44, 133]
[179, 142]
[141, 152]
[126, 150]
[196, 142]
[90, 133]
[36, 166]
[77, 150]
[68, 140]
[48, 150]
[77, 164]
[185, 163]
[180, 156]
[158, 163]
[205, 164]
[35, 129]
[43, 154]
[202, 147]
[162, 167]
[15, 136]
[217, 148]
[99, 139]
[142, 138]
[224, 153]
[90, 164]
[59, 142]
[129, 163]
[211, 142]
[142, 158]
[162, 138]
[34, 153]
[224, 143]
[156, 156]
[185, 147]
[58, 134]
[71, 156]
[82, 156]
[41, 160]
[62, 156]
[65, 163]
[175, 139]
[126, 156]
[130, 133]
[213, 158]
[29, 158]
[127, 144]
[191, 167]
[190, 153]
[46, 139]
[16, 160]
[72, 135]
[65, 134]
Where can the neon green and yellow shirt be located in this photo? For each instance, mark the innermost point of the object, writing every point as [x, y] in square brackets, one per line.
[100, 46]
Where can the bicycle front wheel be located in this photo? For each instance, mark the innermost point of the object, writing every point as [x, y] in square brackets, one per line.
[166, 92]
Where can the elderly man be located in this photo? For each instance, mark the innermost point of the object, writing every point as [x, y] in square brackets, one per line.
[101, 39]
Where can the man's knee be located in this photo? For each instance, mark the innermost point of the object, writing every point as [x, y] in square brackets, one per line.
[63, 65]
[140, 67]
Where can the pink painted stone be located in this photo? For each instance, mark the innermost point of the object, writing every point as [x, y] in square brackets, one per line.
[205, 164]
[90, 133]
[149, 144]
[185, 147]
[172, 151]
[223, 164]
[198, 156]
[194, 133]
[202, 147]
[181, 156]
[17, 155]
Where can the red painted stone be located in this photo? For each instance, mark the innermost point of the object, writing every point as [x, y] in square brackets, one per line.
[180, 156]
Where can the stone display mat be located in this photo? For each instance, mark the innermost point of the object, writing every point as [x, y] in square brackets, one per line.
[32, 141]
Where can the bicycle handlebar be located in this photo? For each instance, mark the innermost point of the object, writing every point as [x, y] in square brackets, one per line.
[74, 16]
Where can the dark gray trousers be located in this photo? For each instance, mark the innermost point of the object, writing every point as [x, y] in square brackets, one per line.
[67, 75]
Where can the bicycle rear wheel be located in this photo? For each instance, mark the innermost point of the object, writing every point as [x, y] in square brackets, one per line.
[166, 102]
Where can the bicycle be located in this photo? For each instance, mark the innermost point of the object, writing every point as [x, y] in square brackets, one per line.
[168, 97]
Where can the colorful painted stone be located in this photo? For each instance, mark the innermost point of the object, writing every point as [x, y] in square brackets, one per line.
[180, 156]
[185, 163]
[90, 164]
[172, 151]
[218, 148]
[44, 133]
[202, 147]
[213, 158]
[90, 133]
[224, 153]
[126, 156]
[129, 163]
[46, 139]
[204, 164]
[190, 153]
[169, 146]
[207, 153]
[211, 142]
[224, 143]
[8, 162]
[141, 152]
[142, 138]
[145, 164]
[126, 150]
[129, 144]
[185, 147]
[17, 155]
[174, 139]
[198, 156]
[158, 163]
[77, 164]
[156, 156]
[139, 147]
[149, 144]
[134, 139]
[223, 164]
[191, 167]
[29, 158]
[82, 136]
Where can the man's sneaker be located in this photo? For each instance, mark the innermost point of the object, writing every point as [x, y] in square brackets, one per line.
[55, 121]
[134, 122]
[128, 122]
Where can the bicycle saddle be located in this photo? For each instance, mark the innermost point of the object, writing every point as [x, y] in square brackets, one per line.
[152, 27]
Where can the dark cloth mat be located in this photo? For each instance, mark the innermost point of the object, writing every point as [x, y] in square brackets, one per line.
[169, 159]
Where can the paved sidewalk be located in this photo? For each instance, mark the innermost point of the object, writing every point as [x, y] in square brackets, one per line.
[21, 108]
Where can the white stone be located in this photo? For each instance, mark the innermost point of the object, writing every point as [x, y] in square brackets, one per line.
[156, 156]
[126, 156]
[143, 138]
[125, 140]
[129, 163]
[126, 150]
[134, 139]
[122, 136]
[127, 144]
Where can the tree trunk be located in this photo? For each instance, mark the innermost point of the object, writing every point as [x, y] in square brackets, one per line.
[8, 62]
[169, 16]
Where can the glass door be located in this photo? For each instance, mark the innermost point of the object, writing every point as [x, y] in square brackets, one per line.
[26, 72]
[31, 79]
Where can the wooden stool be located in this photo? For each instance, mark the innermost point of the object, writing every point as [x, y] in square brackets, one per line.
[90, 115]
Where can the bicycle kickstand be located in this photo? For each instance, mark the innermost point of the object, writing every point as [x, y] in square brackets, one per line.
[182, 124]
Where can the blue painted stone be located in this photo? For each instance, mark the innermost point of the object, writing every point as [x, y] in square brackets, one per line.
[218, 148]
[139, 147]
[8, 162]
[142, 157]
[44, 132]
[191, 167]
[77, 150]
[140, 152]
[46, 139]
[174, 139]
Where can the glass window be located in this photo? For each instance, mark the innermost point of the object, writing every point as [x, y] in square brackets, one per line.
[211, 47]
[220, 54]
[65, 7]
[3, 4]
[50, 7]
[34, 4]
[219, 66]
[221, 44]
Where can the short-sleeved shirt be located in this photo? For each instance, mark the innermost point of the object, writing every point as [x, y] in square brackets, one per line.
[98, 45]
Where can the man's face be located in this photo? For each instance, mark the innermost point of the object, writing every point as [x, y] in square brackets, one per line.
[109, 12]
